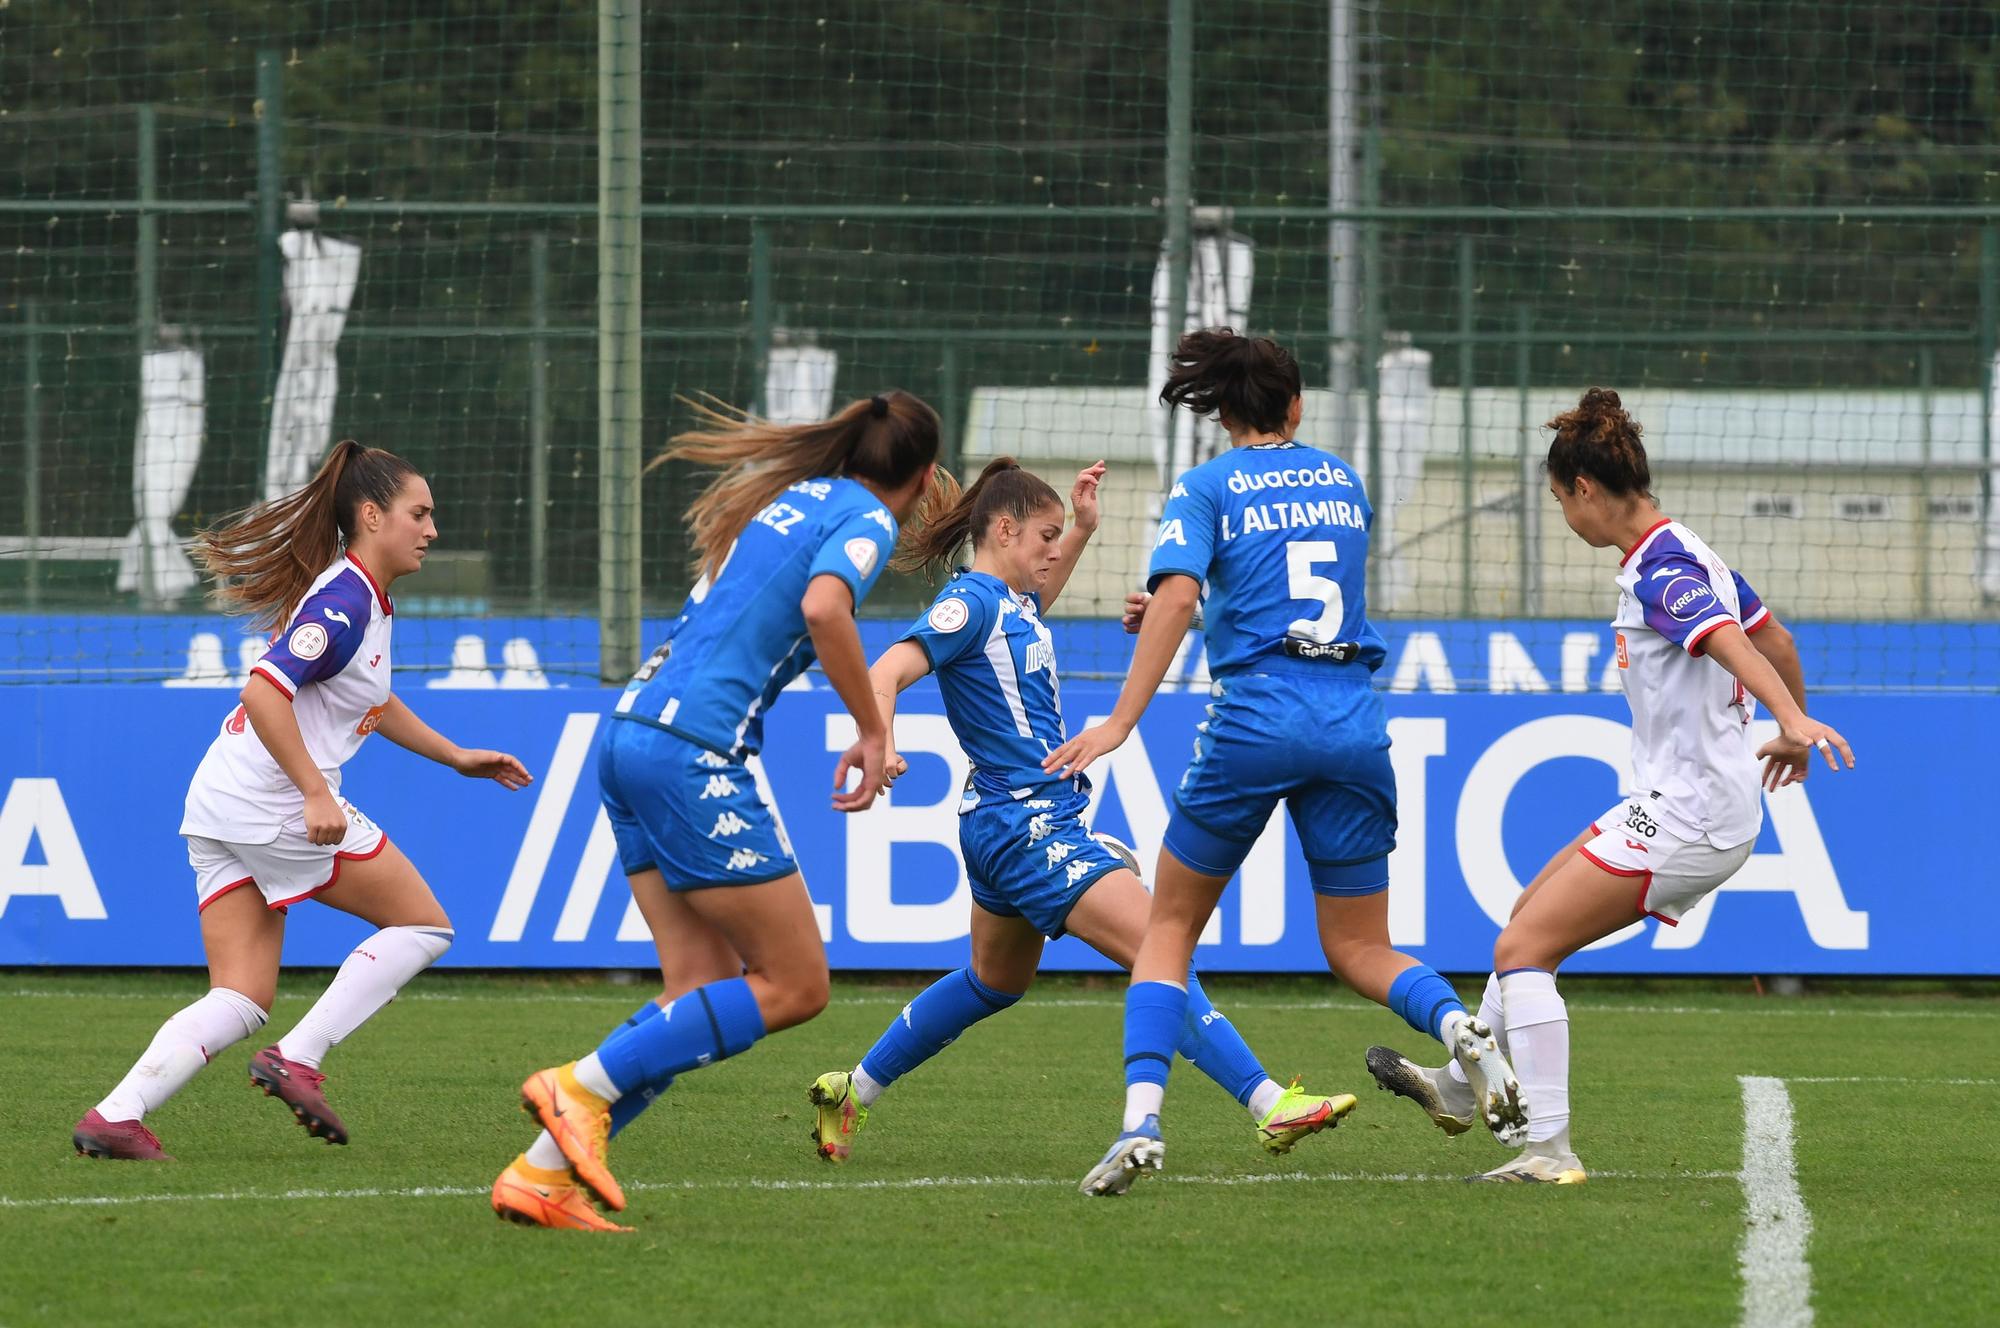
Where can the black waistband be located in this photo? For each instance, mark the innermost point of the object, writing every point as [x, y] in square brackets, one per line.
[1335, 652]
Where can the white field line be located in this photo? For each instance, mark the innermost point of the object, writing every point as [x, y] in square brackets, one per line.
[1777, 1280]
[905, 1183]
[1238, 1002]
[1887, 1079]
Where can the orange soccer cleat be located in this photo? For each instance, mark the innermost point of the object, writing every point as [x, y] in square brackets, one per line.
[537, 1198]
[580, 1122]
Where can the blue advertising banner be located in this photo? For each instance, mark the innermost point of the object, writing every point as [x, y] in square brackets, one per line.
[1870, 871]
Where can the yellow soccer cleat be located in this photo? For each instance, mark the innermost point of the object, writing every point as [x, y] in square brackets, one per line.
[1298, 1114]
[537, 1198]
[840, 1117]
[580, 1122]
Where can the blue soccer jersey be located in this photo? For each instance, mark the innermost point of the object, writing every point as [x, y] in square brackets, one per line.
[996, 665]
[742, 635]
[1278, 535]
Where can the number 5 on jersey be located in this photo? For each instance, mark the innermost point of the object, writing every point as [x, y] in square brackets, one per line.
[1300, 555]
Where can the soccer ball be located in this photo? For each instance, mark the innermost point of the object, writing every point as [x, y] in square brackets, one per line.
[1120, 850]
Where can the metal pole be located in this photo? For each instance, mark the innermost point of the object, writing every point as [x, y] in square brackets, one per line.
[761, 320]
[1341, 311]
[1371, 294]
[31, 446]
[1925, 370]
[1465, 296]
[148, 265]
[538, 422]
[948, 371]
[620, 409]
[1530, 515]
[270, 219]
[1989, 315]
[1180, 178]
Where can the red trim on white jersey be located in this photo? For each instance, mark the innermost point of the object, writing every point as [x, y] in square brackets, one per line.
[338, 858]
[1700, 634]
[276, 677]
[369, 577]
[1651, 531]
[1759, 620]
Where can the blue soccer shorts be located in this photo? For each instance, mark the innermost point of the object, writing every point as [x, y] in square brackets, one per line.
[1033, 859]
[1320, 746]
[700, 818]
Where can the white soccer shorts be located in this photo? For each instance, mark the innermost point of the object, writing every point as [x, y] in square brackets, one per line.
[287, 870]
[1673, 874]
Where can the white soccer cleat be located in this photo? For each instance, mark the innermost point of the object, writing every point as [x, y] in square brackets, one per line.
[1443, 1098]
[1130, 1156]
[1557, 1166]
[1496, 1092]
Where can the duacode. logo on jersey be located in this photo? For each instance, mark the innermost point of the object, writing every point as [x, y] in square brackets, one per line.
[1299, 477]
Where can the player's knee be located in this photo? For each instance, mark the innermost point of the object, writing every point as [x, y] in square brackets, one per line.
[1517, 948]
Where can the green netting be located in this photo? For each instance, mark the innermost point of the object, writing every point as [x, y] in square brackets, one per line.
[1771, 225]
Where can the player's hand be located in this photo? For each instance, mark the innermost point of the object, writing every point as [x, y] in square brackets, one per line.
[505, 770]
[1796, 741]
[1135, 611]
[1083, 497]
[894, 767]
[1075, 756]
[1783, 769]
[326, 822]
[869, 755]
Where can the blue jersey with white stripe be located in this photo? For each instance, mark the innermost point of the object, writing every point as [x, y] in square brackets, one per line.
[1278, 534]
[996, 665]
[742, 636]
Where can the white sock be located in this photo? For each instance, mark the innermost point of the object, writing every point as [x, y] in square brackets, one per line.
[1493, 1014]
[590, 1072]
[1263, 1097]
[865, 1090]
[189, 1040]
[367, 981]
[547, 1154]
[1141, 1101]
[1538, 1036]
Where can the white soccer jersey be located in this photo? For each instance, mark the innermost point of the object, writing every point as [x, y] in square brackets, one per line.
[332, 659]
[1692, 763]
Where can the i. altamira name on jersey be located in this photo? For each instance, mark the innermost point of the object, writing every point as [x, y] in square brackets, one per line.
[1319, 513]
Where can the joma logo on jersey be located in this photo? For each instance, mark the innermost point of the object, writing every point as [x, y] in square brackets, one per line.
[719, 786]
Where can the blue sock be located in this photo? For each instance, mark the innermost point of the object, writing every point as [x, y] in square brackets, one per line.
[1155, 1020]
[709, 1024]
[1423, 999]
[626, 1108]
[1215, 1048]
[930, 1023]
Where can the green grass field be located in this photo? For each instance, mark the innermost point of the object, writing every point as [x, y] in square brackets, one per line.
[960, 1205]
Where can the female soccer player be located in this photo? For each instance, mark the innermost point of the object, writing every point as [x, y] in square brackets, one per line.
[1035, 869]
[1278, 533]
[791, 537]
[265, 807]
[1692, 640]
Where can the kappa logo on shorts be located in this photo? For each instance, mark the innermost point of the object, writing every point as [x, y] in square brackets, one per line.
[743, 859]
[1039, 804]
[720, 786]
[1038, 829]
[1078, 870]
[712, 761]
[1058, 851]
[727, 824]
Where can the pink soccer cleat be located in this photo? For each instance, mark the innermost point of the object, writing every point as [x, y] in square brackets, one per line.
[298, 1087]
[125, 1140]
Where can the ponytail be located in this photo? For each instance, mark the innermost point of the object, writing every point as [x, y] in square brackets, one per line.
[1247, 382]
[1601, 440]
[265, 557]
[885, 439]
[1002, 489]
